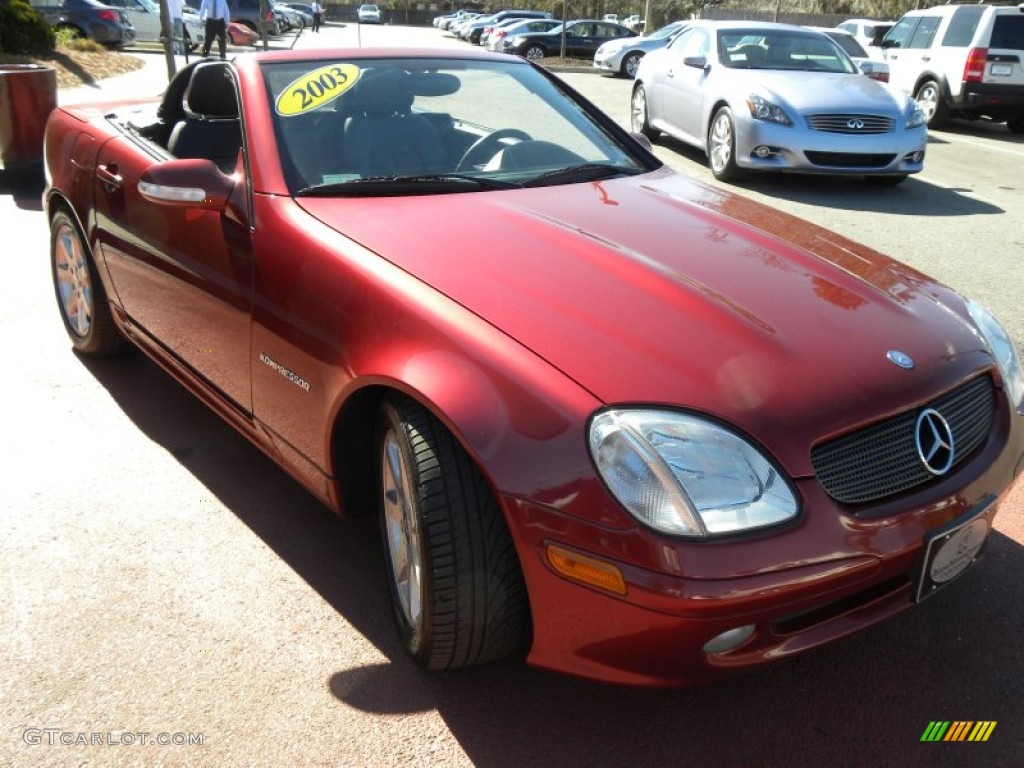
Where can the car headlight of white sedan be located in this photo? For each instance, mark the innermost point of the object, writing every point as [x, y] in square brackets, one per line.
[688, 476]
[762, 109]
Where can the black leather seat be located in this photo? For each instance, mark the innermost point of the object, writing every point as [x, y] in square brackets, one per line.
[382, 137]
[211, 128]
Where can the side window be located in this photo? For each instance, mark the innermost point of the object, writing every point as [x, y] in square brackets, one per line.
[679, 44]
[899, 36]
[848, 26]
[962, 26]
[925, 32]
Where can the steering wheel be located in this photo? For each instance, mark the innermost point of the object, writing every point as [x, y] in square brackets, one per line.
[486, 147]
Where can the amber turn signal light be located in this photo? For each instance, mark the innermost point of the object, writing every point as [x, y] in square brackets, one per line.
[586, 570]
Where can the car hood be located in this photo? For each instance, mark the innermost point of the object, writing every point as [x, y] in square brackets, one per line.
[658, 289]
[820, 91]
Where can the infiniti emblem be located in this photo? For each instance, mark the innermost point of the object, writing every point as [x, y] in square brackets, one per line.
[901, 359]
[934, 441]
[855, 124]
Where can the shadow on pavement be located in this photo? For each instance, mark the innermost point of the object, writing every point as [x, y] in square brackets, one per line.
[863, 701]
[25, 188]
[914, 197]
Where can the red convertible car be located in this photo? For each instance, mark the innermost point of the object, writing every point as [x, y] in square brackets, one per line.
[651, 433]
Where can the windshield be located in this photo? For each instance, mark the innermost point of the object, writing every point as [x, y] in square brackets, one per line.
[435, 125]
[739, 49]
[668, 29]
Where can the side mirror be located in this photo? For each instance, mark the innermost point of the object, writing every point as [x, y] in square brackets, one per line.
[643, 141]
[187, 183]
[698, 62]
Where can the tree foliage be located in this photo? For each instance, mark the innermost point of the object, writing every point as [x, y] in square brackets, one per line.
[21, 29]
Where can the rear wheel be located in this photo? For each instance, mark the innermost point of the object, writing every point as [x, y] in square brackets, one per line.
[929, 98]
[722, 146]
[1016, 124]
[638, 114]
[456, 584]
[80, 295]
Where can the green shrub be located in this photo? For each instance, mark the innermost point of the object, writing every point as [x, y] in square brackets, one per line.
[21, 29]
[80, 44]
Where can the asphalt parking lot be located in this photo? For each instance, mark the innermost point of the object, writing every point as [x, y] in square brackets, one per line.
[172, 598]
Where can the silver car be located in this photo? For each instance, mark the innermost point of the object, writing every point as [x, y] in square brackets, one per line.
[621, 57]
[775, 97]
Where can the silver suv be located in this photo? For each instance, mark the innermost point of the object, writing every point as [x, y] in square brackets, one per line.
[961, 60]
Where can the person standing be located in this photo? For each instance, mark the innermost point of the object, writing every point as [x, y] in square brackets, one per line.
[217, 16]
[318, 15]
[175, 9]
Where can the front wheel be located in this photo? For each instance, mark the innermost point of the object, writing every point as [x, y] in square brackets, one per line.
[456, 584]
[80, 295]
[630, 64]
[534, 52]
[639, 119]
[929, 98]
[722, 146]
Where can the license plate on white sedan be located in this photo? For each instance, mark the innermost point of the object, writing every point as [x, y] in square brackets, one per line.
[950, 550]
[1001, 70]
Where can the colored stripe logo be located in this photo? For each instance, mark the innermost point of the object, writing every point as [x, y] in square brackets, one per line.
[958, 730]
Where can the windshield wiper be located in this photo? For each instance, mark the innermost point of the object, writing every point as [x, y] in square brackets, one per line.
[585, 172]
[428, 184]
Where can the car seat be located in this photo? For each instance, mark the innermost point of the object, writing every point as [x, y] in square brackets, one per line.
[211, 128]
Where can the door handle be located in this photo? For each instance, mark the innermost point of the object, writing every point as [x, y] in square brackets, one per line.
[109, 176]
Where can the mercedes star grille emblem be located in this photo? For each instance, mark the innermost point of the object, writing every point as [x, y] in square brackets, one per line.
[902, 360]
[934, 441]
[855, 124]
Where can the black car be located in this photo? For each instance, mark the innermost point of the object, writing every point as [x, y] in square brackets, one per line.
[87, 18]
[582, 39]
[476, 29]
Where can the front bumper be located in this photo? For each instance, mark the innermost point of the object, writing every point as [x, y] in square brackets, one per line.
[808, 151]
[830, 574]
[608, 63]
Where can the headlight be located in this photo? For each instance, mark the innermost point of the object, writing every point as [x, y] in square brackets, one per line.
[685, 475]
[917, 117]
[762, 109]
[1001, 346]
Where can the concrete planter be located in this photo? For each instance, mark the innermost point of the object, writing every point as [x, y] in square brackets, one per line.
[28, 93]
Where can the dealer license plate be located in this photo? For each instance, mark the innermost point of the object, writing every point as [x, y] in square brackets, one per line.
[1004, 70]
[952, 549]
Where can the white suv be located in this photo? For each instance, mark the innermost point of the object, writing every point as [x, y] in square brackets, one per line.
[961, 60]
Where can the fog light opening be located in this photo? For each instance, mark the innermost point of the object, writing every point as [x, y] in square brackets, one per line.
[765, 151]
[916, 157]
[730, 639]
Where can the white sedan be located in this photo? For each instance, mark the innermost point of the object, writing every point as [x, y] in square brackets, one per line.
[776, 97]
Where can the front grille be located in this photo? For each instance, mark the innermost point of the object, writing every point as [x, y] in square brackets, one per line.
[849, 159]
[881, 460]
[856, 124]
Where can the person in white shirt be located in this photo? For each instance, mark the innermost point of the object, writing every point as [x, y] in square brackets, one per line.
[176, 9]
[217, 16]
[318, 15]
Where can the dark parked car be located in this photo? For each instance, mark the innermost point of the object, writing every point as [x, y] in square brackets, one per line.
[475, 29]
[582, 39]
[87, 18]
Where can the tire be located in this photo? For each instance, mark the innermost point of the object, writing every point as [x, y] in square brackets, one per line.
[886, 181]
[1016, 124]
[929, 97]
[722, 146]
[82, 302]
[456, 585]
[638, 116]
[629, 65]
[534, 52]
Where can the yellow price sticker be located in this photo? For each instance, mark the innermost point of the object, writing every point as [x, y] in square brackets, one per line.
[316, 88]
